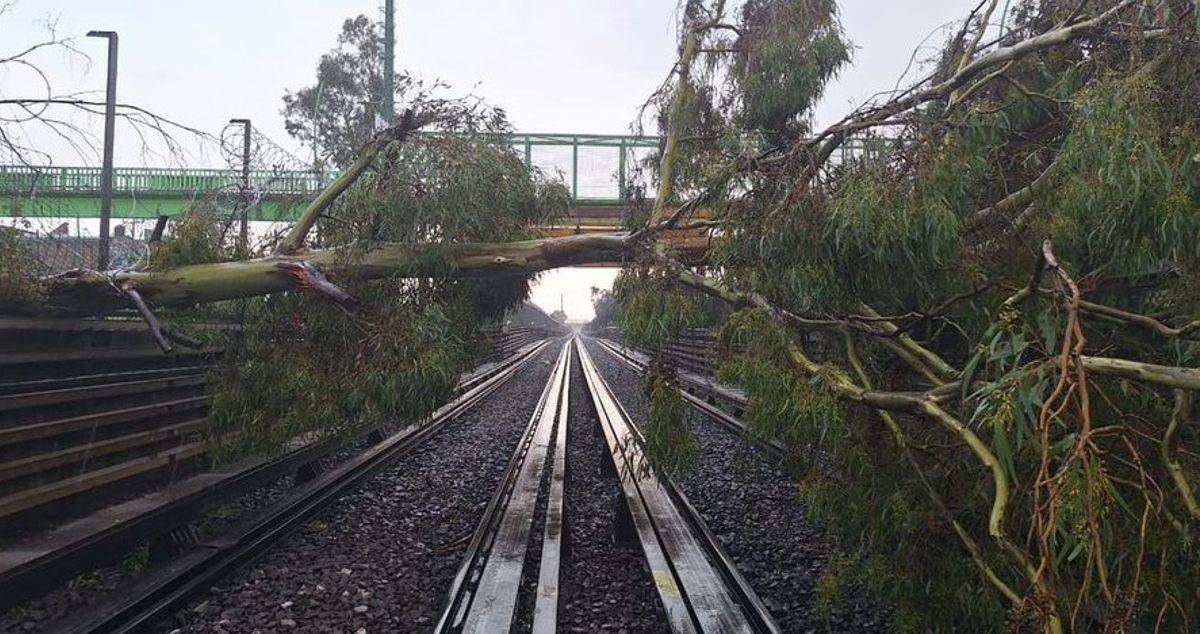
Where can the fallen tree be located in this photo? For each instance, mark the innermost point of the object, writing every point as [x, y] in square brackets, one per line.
[981, 318]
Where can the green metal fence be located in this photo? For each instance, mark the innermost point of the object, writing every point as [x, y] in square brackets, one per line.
[184, 182]
[599, 179]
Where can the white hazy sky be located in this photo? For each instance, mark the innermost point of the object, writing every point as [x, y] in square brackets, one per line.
[554, 65]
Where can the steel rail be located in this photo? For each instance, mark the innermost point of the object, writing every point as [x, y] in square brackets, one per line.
[700, 586]
[545, 608]
[91, 392]
[483, 594]
[191, 575]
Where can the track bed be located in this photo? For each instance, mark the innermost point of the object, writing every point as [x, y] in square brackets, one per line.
[619, 514]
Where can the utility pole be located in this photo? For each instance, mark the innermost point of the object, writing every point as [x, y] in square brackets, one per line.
[244, 236]
[389, 61]
[106, 173]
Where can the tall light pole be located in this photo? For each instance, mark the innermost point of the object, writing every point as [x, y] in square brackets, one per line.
[389, 61]
[244, 240]
[106, 173]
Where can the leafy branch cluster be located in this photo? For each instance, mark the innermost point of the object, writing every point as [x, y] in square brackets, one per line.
[389, 351]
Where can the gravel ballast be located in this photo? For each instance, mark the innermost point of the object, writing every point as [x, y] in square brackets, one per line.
[94, 588]
[752, 508]
[382, 558]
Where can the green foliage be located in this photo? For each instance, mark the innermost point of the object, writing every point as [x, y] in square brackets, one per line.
[305, 368]
[785, 54]
[445, 188]
[781, 404]
[1133, 207]
[651, 309]
[197, 236]
[138, 560]
[899, 231]
[1093, 143]
[19, 285]
[304, 371]
[839, 454]
[671, 444]
[751, 86]
[876, 232]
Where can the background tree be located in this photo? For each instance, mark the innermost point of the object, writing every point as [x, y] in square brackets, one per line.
[338, 115]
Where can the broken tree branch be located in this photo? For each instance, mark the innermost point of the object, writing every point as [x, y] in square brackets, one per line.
[151, 321]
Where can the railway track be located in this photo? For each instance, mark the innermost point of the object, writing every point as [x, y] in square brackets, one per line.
[521, 549]
[64, 436]
[697, 584]
[102, 451]
[701, 392]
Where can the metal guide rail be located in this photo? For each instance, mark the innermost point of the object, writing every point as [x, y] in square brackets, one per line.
[697, 583]
[483, 595]
[695, 382]
[165, 591]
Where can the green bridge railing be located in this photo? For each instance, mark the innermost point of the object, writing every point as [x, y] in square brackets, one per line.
[46, 181]
[594, 167]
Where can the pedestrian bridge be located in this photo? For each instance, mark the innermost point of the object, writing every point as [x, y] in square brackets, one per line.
[596, 169]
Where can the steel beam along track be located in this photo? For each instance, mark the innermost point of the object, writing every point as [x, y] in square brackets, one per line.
[698, 584]
[192, 574]
[483, 595]
[716, 597]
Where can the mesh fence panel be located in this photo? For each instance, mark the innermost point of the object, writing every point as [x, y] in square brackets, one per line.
[64, 243]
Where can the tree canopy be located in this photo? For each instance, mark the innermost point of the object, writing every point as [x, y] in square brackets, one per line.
[338, 115]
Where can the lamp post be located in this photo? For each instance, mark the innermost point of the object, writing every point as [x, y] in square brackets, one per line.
[244, 239]
[106, 173]
[389, 60]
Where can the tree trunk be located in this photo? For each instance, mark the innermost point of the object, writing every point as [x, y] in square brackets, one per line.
[92, 292]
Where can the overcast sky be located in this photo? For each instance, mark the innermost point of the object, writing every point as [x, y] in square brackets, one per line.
[554, 65]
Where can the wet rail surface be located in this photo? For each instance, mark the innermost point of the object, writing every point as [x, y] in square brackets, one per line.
[603, 582]
[381, 557]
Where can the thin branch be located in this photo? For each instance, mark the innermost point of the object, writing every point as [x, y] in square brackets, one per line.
[147, 315]
[1179, 416]
[296, 236]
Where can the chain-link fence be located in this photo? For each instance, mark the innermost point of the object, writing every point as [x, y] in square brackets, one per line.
[63, 243]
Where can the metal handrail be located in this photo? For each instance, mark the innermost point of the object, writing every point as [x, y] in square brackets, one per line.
[19, 179]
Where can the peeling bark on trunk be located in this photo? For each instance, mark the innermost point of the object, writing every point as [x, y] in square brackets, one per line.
[92, 292]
